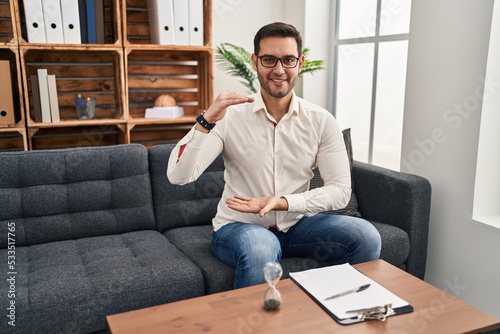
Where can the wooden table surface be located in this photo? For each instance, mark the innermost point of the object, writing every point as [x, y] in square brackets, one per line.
[241, 311]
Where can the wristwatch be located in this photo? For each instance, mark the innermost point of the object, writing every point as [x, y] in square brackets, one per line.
[203, 122]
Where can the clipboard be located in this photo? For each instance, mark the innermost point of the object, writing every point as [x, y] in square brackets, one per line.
[378, 304]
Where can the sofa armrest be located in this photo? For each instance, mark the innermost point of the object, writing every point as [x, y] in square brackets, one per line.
[398, 199]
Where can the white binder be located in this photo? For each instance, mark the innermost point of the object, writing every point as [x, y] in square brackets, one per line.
[161, 21]
[53, 21]
[181, 21]
[44, 95]
[53, 101]
[71, 21]
[196, 22]
[35, 26]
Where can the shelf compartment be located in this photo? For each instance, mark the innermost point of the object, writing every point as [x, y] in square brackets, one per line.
[136, 23]
[185, 75]
[13, 139]
[82, 136]
[11, 53]
[112, 25]
[8, 32]
[97, 72]
[150, 135]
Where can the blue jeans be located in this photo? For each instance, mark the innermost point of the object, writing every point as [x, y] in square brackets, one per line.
[323, 237]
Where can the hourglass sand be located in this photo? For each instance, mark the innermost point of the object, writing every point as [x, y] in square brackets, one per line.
[272, 274]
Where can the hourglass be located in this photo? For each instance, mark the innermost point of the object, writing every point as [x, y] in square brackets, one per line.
[272, 274]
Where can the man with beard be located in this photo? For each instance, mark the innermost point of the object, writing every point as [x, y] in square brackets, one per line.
[271, 142]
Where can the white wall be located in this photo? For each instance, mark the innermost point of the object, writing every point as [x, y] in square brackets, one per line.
[237, 21]
[446, 63]
[317, 35]
[487, 190]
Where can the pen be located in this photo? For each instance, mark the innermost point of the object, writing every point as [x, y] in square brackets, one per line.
[358, 289]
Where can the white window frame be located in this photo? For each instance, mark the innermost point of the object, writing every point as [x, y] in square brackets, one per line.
[376, 40]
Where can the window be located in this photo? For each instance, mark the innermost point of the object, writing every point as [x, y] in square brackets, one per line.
[370, 53]
[487, 186]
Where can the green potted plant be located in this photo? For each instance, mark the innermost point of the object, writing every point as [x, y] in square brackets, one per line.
[237, 62]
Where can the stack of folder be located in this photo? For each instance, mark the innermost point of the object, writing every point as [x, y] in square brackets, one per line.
[177, 22]
[45, 101]
[64, 21]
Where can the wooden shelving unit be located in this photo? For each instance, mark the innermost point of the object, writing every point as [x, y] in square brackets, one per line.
[126, 75]
[13, 139]
[8, 28]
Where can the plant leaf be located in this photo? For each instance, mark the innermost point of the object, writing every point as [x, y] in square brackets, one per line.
[237, 62]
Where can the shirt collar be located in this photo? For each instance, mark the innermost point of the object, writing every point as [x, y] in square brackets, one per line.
[259, 104]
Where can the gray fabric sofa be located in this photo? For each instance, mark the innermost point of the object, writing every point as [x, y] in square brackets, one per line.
[88, 232]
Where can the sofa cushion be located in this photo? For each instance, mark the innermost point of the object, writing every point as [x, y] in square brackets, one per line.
[54, 195]
[191, 204]
[70, 286]
[195, 242]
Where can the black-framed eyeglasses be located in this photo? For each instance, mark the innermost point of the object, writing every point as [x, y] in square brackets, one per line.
[271, 61]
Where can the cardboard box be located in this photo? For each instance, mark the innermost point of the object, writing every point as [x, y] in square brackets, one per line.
[7, 116]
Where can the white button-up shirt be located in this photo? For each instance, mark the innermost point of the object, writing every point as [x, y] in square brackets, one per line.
[265, 158]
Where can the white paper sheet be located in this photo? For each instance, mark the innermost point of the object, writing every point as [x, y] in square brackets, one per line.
[324, 282]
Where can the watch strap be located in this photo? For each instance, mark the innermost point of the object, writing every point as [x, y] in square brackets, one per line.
[203, 122]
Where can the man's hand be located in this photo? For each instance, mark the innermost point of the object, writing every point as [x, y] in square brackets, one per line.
[260, 205]
[218, 109]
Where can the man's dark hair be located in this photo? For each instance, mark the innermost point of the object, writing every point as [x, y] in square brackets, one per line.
[277, 29]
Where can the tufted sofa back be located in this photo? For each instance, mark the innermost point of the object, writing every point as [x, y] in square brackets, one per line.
[188, 205]
[54, 195]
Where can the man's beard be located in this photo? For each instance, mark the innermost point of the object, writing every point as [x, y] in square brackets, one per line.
[264, 83]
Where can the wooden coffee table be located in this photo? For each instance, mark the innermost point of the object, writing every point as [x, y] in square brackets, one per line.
[241, 311]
